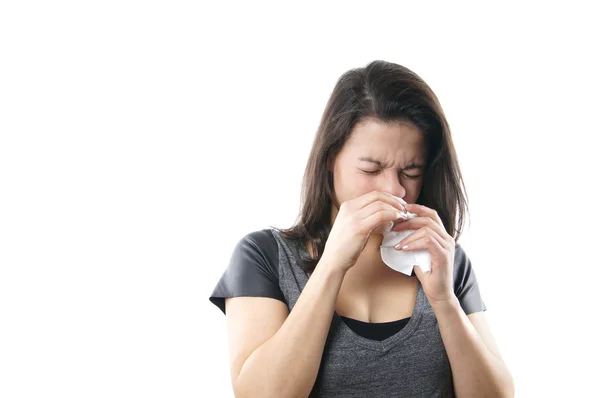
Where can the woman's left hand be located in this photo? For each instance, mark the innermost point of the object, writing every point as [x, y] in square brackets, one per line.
[431, 235]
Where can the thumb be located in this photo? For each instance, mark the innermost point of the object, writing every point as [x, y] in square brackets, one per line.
[418, 272]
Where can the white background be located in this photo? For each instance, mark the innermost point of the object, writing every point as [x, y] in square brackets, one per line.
[141, 140]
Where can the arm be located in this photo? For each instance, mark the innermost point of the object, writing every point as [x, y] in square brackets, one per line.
[477, 367]
[273, 354]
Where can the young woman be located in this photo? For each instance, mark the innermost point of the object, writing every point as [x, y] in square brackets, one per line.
[314, 311]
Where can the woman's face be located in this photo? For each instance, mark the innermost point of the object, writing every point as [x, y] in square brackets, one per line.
[382, 157]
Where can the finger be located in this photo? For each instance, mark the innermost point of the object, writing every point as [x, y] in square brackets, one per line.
[419, 235]
[377, 206]
[368, 198]
[420, 222]
[401, 224]
[405, 224]
[424, 211]
[420, 274]
[369, 223]
[425, 243]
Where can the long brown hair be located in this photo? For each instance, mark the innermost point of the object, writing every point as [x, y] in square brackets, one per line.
[388, 92]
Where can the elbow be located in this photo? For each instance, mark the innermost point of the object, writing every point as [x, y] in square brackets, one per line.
[505, 383]
[509, 391]
[253, 390]
[239, 391]
[506, 389]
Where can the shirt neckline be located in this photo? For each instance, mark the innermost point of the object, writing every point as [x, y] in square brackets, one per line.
[395, 339]
[375, 324]
[375, 345]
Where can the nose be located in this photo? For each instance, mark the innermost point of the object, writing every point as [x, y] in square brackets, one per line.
[391, 184]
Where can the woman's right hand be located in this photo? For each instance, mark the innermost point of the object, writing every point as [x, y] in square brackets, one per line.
[355, 221]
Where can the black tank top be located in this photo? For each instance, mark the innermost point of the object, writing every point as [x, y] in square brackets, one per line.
[375, 331]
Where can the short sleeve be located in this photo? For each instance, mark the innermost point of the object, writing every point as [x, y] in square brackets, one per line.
[252, 270]
[466, 287]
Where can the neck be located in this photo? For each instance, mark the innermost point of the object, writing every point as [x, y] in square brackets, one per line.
[369, 267]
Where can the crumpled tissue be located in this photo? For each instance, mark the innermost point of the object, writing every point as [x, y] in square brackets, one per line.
[400, 260]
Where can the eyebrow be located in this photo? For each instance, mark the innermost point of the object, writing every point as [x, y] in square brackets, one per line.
[411, 165]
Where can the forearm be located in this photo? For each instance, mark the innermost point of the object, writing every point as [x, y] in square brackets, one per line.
[287, 364]
[476, 371]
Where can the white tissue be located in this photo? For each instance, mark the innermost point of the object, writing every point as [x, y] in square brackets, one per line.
[400, 260]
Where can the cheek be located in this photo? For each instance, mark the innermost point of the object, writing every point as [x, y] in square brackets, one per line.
[363, 184]
[408, 183]
[350, 186]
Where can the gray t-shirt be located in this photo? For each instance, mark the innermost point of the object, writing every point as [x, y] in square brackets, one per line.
[410, 363]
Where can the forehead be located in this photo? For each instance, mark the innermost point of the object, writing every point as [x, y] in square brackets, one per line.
[391, 140]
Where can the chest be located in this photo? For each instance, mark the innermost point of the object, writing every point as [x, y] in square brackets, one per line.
[411, 363]
[385, 300]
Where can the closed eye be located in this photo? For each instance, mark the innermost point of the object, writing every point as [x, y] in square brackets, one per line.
[377, 171]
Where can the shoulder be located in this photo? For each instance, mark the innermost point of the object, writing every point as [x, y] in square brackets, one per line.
[262, 238]
[258, 247]
[252, 270]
